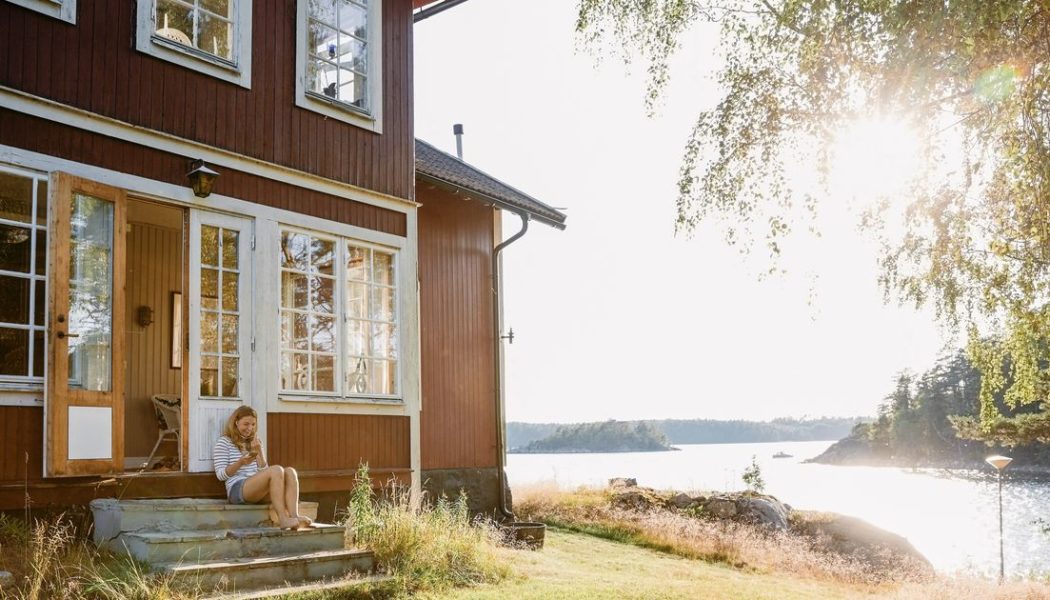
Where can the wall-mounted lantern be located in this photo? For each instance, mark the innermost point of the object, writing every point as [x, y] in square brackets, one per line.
[201, 178]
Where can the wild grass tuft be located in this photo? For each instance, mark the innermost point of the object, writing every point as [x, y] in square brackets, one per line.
[424, 547]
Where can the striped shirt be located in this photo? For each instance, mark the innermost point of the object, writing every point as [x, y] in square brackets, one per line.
[226, 453]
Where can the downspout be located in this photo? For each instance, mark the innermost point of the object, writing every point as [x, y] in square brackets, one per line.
[497, 316]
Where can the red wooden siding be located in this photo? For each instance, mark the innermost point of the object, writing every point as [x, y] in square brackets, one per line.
[55, 139]
[93, 65]
[314, 442]
[22, 431]
[455, 253]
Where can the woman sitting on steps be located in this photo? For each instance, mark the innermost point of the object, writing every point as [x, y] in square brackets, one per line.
[240, 461]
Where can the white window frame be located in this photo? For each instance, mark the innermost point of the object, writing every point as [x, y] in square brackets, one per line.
[341, 393]
[238, 70]
[63, 10]
[29, 383]
[371, 120]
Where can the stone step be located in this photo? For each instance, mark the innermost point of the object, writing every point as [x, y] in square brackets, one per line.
[112, 516]
[242, 574]
[336, 588]
[196, 545]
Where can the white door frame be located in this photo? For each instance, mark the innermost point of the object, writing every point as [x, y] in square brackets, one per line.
[208, 415]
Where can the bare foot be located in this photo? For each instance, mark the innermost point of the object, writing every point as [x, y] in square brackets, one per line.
[289, 523]
[305, 521]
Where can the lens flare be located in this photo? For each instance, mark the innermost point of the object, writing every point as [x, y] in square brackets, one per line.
[996, 83]
[875, 158]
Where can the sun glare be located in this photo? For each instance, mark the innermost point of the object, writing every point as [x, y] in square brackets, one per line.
[874, 158]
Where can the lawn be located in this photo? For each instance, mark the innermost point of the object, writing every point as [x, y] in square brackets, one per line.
[574, 565]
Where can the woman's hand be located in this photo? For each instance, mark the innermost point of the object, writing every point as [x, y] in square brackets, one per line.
[255, 448]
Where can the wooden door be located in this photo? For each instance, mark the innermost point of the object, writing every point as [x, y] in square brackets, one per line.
[84, 397]
[221, 327]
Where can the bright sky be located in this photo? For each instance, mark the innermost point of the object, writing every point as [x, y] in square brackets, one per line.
[615, 317]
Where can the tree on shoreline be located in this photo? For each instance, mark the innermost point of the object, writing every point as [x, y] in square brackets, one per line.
[971, 78]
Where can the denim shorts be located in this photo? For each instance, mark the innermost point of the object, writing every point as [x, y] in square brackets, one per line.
[236, 495]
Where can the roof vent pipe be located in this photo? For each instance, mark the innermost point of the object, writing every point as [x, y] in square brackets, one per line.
[457, 130]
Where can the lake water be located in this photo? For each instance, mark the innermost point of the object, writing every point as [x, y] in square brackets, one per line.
[951, 518]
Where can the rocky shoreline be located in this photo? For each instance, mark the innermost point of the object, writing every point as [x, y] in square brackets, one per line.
[829, 532]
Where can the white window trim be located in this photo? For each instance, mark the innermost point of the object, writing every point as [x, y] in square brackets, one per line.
[63, 10]
[373, 120]
[341, 395]
[238, 71]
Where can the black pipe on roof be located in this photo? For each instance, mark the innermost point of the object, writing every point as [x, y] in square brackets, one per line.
[435, 9]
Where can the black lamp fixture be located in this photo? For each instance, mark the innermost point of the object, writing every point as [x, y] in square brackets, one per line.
[201, 178]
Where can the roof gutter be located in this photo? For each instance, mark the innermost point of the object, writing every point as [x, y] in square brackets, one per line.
[489, 199]
[435, 9]
[497, 318]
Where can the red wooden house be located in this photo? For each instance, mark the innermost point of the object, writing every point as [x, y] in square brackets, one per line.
[334, 278]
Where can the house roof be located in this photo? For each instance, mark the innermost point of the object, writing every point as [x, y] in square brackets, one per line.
[449, 172]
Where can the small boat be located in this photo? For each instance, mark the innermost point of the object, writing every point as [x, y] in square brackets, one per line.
[781, 455]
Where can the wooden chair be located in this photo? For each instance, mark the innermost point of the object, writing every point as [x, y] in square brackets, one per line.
[169, 422]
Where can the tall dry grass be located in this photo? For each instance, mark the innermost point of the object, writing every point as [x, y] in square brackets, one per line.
[49, 560]
[424, 547]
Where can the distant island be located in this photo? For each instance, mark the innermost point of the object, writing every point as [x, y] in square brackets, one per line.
[704, 431]
[607, 436]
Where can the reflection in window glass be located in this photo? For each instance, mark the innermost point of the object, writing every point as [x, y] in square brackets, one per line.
[308, 327]
[372, 346]
[337, 51]
[220, 312]
[204, 25]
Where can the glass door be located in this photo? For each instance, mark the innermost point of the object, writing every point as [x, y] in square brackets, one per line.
[84, 397]
[220, 327]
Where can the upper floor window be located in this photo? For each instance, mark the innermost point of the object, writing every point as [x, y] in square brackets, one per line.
[65, 10]
[210, 36]
[338, 65]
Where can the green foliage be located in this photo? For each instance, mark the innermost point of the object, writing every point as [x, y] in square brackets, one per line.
[972, 77]
[424, 547]
[606, 436]
[752, 477]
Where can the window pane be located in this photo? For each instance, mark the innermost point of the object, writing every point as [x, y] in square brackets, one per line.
[209, 332]
[209, 245]
[382, 380]
[14, 352]
[357, 376]
[209, 376]
[323, 294]
[41, 251]
[91, 293]
[353, 19]
[324, 374]
[352, 54]
[14, 300]
[323, 78]
[351, 88]
[358, 267]
[229, 290]
[229, 248]
[294, 291]
[38, 354]
[357, 301]
[383, 264]
[230, 377]
[295, 371]
[219, 7]
[295, 248]
[322, 256]
[14, 248]
[210, 289]
[41, 203]
[384, 341]
[323, 10]
[215, 35]
[323, 334]
[229, 334]
[322, 41]
[175, 22]
[16, 197]
[41, 303]
[382, 304]
[295, 331]
[357, 345]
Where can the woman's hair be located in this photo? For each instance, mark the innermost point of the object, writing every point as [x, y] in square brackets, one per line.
[231, 427]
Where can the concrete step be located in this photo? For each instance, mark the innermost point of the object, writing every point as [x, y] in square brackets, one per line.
[196, 545]
[113, 517]
[242, 574]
